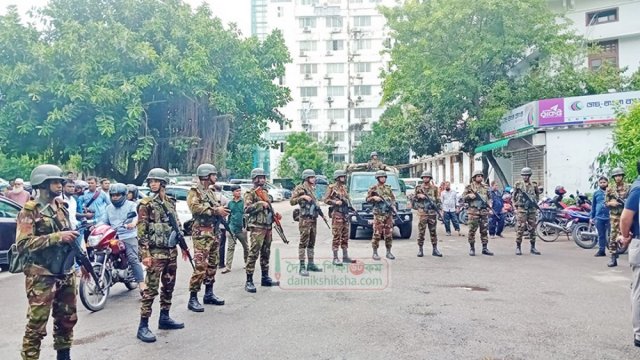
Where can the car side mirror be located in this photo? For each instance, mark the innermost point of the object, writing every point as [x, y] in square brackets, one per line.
[131, 215]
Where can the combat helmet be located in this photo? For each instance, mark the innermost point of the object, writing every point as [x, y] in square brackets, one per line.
[477, 173]
[307, 173]
[158, 174]
[426, 174]
[373, 153]
[204, 170]
[380, 173]
[526, 171]
[45, 172]
[617, 171]
[257, 172]
[339, 173]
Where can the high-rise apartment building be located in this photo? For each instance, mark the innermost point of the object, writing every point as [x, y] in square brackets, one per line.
[335, 47]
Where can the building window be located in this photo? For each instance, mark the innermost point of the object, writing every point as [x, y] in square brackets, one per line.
[334, 21]
[308, 45]
[360, 21]
[335, 114]
[308, 91]
[362, 67]
[335, 136]
[356, 1]
[308, 2]
[339, 158]
[363, 44]
[602, 16]
[314, 135]
[307, 22]
[310, 114]
[360, 90]
[308, 68]
[335, 90]
[337, 68]
[335, 45]
[279, 11]
[608, 54]
[362, 113]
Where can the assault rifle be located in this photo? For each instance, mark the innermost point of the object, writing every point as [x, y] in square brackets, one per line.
[276, 222]
[386, 203]
[317, 208]
[81, 257]
[528, 199]
[346, 206]
[179, 236]
[432, 205]
[483, 201]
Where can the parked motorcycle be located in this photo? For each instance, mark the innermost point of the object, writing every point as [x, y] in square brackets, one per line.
[554, 222]
[585, 235]
[109, 263]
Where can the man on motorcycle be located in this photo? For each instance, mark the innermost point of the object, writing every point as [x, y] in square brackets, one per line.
[116, 216]
[600, 215]
[615, 198]
[526, 198]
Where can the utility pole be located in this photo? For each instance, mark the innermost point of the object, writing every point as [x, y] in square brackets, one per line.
[349, 101]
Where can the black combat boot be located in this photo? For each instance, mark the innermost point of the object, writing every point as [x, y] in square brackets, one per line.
[64, 354]
[336, 261]
[486, 251]
[533, 250]
[167, 323]
[436, 252]
[375, 255]
[390, 255]
[614, 261]
[144, 333]
[303, 269]
[313, 267]
[420, 252]
[266, 280]
[472, 250]
[210, 298]
[345, 257]
[194, 305]
[518, 249]
[248, 286]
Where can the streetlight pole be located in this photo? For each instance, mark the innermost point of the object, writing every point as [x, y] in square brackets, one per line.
[349, 101]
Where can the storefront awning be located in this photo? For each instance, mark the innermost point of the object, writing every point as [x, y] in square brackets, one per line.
[492, 146]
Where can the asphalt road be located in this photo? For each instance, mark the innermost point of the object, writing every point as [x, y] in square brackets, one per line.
[565, 304]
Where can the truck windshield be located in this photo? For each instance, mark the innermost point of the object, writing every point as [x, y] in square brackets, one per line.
[363, 183]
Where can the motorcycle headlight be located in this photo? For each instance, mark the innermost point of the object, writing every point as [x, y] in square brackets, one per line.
[93, 240]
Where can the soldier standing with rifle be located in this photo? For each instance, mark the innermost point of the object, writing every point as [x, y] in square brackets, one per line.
[304, 196]
[429, 206]
[260, 219]
[526, 201]
[476, 195]
[50, 280]
[338, 198]
[615, 197]
[159, 253]
[204, 208]
[382, 198]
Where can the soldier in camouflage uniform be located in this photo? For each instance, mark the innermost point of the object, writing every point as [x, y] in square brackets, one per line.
[526, 210]
[615, 197]
[374, 164]
[158, 252]
[476, 195]
[206, 244]
[427, 201]
[260, 220]
[42, 233]
[338, 198]
[382, 198]
[304, 195]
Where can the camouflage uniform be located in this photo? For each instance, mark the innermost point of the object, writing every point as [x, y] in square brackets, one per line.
[374, 165]
[259, 222]
[308, 223]
[613, 193]
[525, 212]
[50, 281]
[339, 216]
[206, 244]
[427, 212]
[153, 235]
[478, 212]
[382, 215]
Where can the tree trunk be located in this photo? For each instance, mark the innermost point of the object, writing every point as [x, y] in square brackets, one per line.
[488, 157]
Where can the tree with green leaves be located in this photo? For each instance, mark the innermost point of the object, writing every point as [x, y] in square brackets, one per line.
[128, 85]
[391, 137]
[301, 151]
[625, 151]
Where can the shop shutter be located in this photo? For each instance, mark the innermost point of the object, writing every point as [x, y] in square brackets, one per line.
[533, 158]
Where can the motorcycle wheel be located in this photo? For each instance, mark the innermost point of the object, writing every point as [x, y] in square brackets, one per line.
[583, 242]
[463, 217]
[509, 219]
[546, 233]
[89, 295]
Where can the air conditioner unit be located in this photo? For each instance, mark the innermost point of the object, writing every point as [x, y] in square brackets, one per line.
[359, 99]
[302, 53]
[332, 122]
[329, 53]
[307, 76]
[336, 30]
[359, 76]
[306, 29]
[327, 77]
[364, 121]
[305, 100]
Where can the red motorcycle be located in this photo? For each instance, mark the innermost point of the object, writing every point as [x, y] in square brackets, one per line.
[109, 263]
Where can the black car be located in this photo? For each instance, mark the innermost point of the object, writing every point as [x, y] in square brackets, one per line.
[8, 213]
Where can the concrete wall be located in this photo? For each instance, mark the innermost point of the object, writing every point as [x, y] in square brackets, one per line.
[570, 153]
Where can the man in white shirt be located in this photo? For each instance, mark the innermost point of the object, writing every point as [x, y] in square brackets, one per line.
[449, 200]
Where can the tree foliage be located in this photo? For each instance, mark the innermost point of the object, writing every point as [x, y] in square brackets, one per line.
[391, 137]
[132, 84]
[625, 151]
[304, 152]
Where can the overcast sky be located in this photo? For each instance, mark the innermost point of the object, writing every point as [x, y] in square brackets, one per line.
[237, 11]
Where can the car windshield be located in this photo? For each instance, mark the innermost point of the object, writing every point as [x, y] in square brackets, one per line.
[362, 183]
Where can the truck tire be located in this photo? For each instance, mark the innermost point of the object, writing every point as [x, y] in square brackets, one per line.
[353, 230]
[405, 231]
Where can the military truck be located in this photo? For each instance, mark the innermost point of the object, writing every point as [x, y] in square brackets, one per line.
[358, 184]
